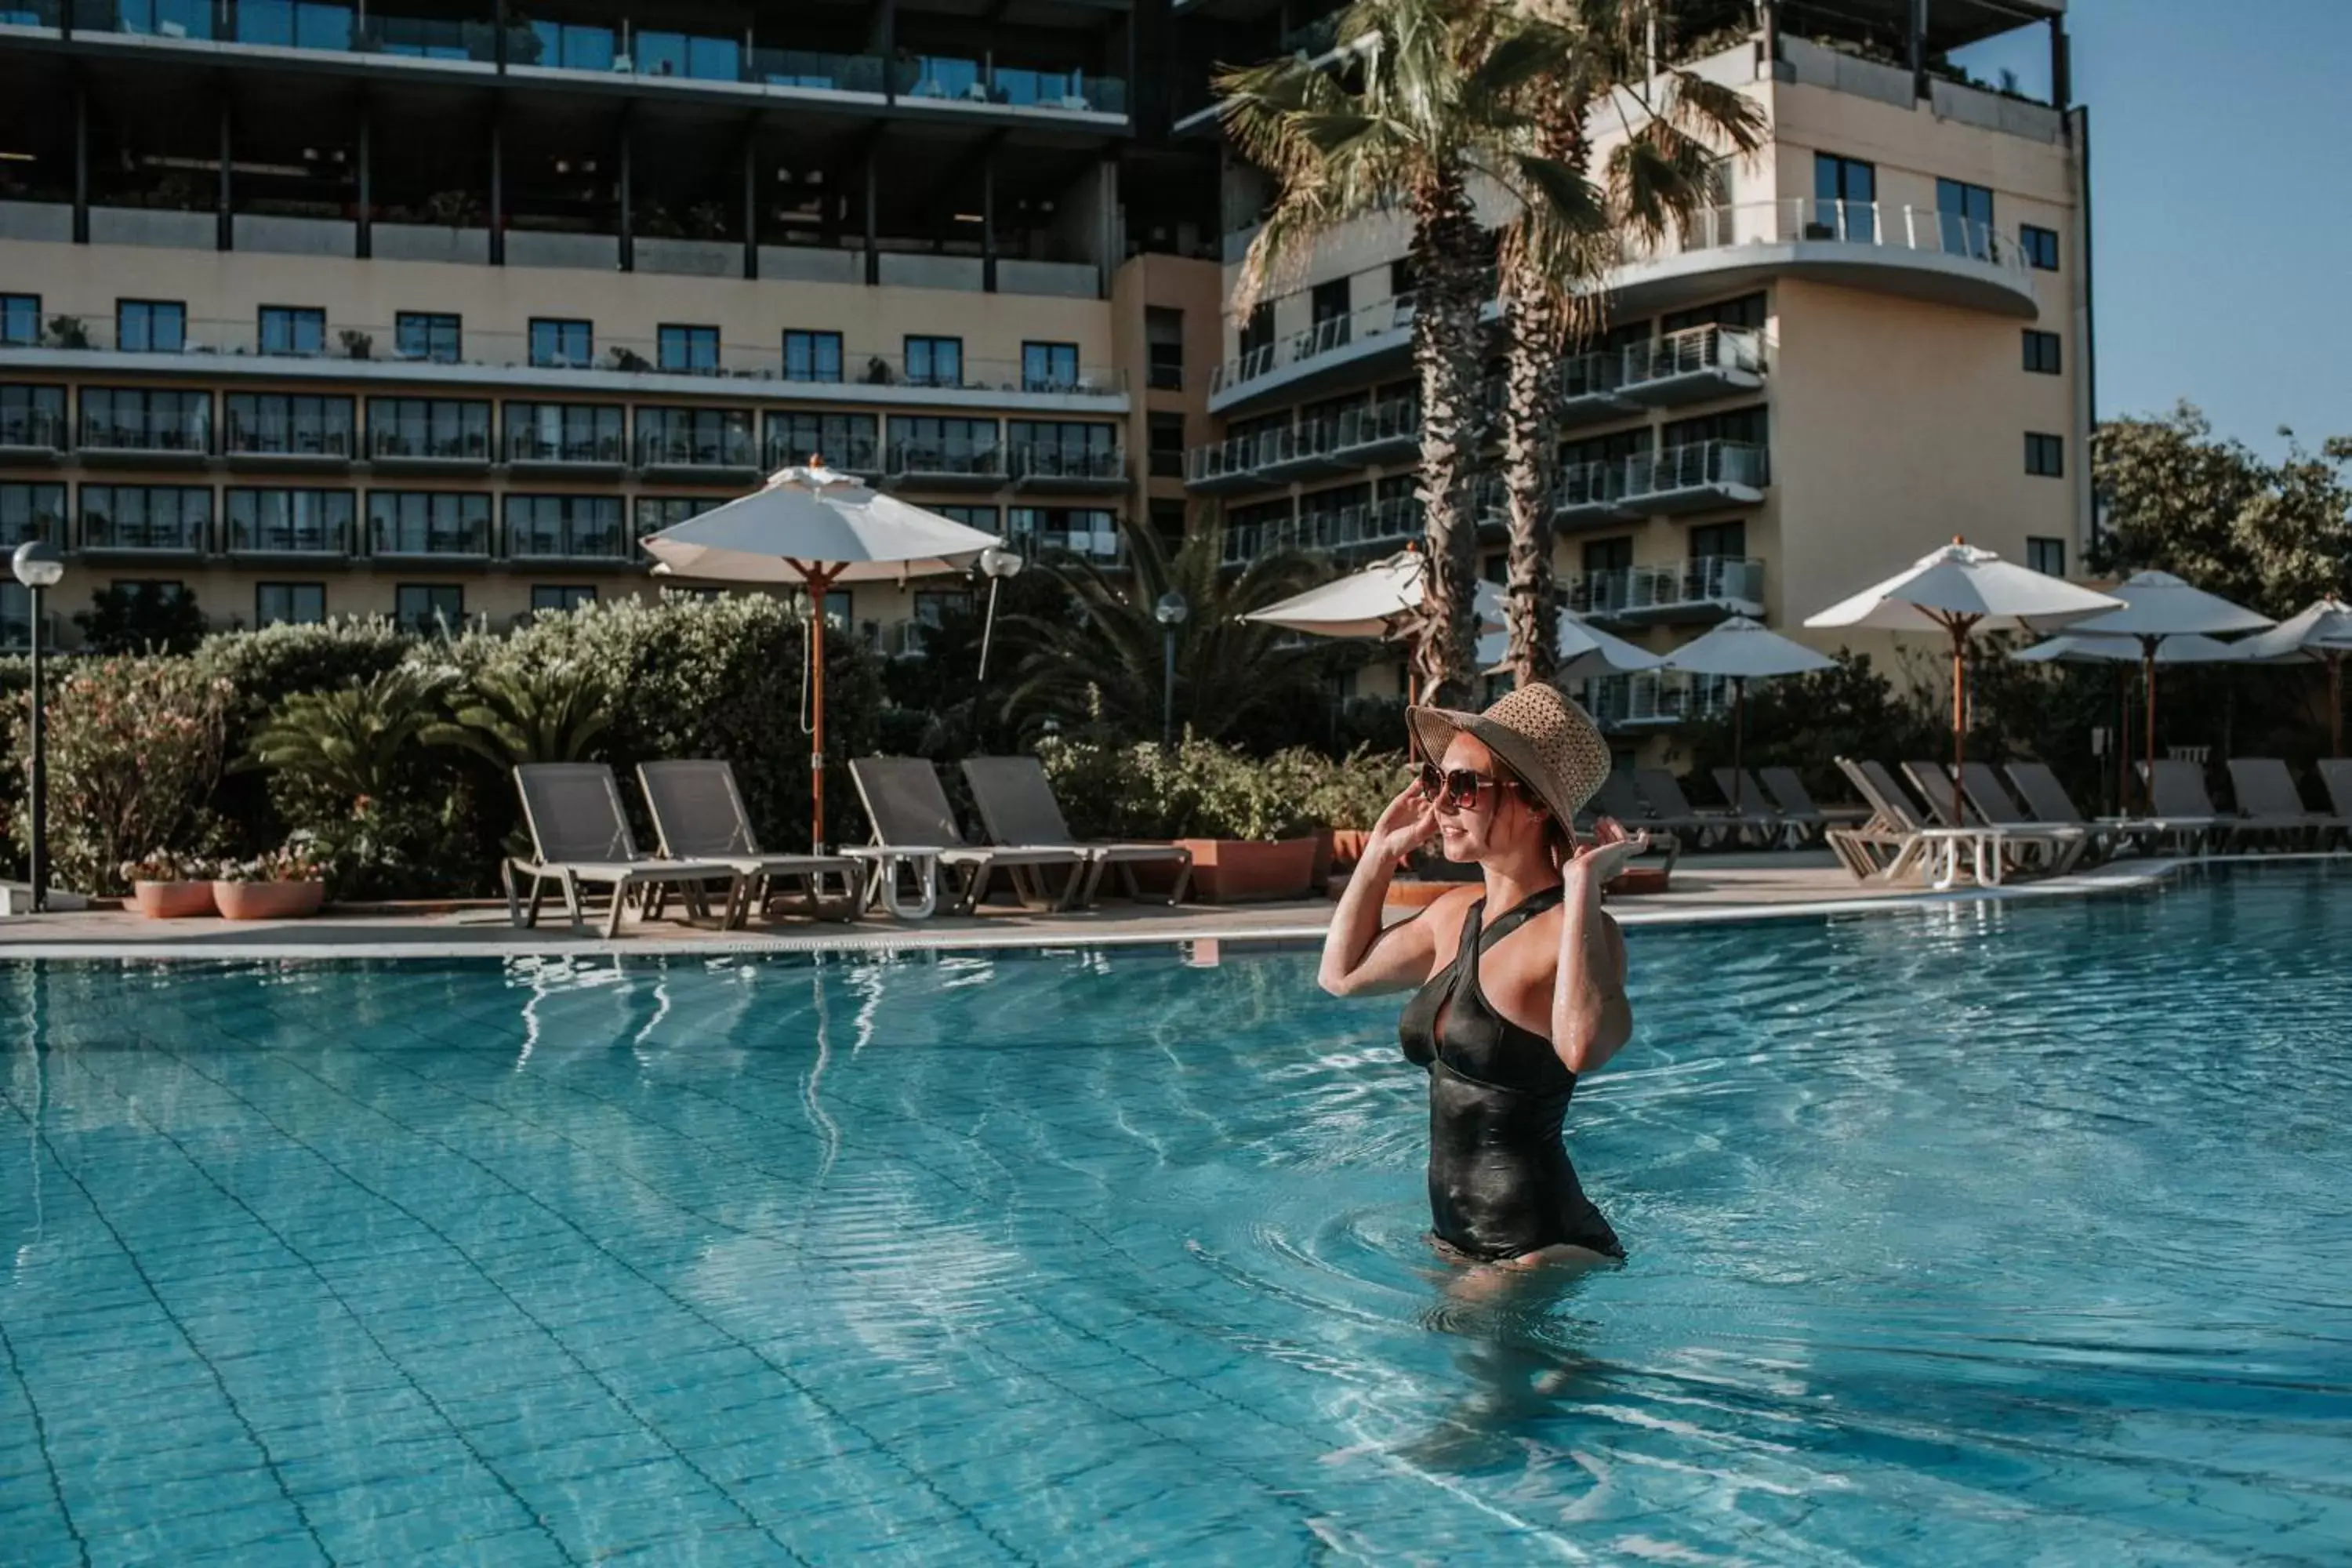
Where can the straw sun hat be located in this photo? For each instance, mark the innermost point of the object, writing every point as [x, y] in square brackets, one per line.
[1548, 742]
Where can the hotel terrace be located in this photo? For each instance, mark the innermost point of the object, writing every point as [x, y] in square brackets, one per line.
[430, 310]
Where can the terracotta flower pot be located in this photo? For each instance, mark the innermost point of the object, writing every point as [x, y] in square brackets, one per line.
[268, 900]
[1239, 870]
[1636, 880]
[172, 900]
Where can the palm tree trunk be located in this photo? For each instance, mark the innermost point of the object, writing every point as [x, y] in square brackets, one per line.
[1531, 469]
[1450, 286]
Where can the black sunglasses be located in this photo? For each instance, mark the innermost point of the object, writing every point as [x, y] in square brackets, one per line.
[1458, 789]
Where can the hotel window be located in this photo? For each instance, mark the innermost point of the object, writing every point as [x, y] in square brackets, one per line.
[1718, 541]
[2041, 352]
[577, 528]
[1745, 426]
[428, 607]
[1257, 332]
[689, 351]
[146, 517]
[31, 511]
[1082, 531]
[1748, 310]
[289, 425]
[33, 417]
[982, 518]
[20, 319]
[1167, 436]
[289, 604]
[560, 595]
[563, 344]
[458, 429]
[1326, 303]
[1845, 190]
[2045, 455]
[564, 433]
[657, 512]
[151, 326]
[935, 362]
[293, 330]
[1063, 448]
[926, 443]
[836, 610]
[812, 356]
[1163, 331]
[1049, 367]
[428, 335]
[135, 419]
[1965, 211]
[290, 522]
[2041, 246]
[429, 522]
[846, 441]
[696, 438]
[2047, 556]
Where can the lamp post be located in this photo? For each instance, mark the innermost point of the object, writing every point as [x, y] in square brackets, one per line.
[996, 564]
[38, 565]
[1170, 612]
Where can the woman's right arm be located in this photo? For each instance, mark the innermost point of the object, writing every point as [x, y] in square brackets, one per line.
[1359, 959]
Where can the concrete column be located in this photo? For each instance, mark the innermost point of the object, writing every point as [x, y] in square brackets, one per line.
[988, 221]
[2062, 65]
[224, 212]
[82, 157]
[498, 187]
[750, 190]
[872, 219]
[365, 228]
[628, 199]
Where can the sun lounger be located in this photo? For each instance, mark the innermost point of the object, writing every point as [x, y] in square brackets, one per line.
[2268, 800]
[1890, 840]
[1991, 851]
[580, 837]
[1790, 794]
[1017, 806]
[914, 831]
[2177, 792]
[1622, 800]
[699, 814]
[1754, 823]
[2336, 774]
[1798, 828]
[1996, 807]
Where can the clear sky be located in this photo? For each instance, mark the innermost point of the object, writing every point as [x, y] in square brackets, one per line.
[2221, 196]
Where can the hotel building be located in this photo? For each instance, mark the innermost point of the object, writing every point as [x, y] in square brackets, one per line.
[430, 309]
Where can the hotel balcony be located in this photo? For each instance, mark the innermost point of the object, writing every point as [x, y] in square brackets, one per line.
[297, 539]
[944, 465]
[1693, 365]
[858, 456]
[32, 434]
[178, 538]
[1688, 593]
[462, 539]
[1589, 495]
[1383, 525]
[1047, 469]
[1913, 252]
[448, 446]
[1695, 476]
[710, 456]
[1234, 463]
[288, 442]
[578, 544]
[601, 451]
[149, 440]
[1654, 699]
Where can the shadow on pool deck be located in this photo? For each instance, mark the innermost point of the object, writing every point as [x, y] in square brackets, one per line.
[1705, 886]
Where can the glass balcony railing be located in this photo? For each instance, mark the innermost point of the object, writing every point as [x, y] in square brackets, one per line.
[1389, 320]
[289, 437]
[283, 537]
[189, 434]
[733, 449]
[1695, 466]
[429, 439]
[814, 71]
[181, 535]
[33, 429]
[1582, 487]
[1694, 351]
[956, 457]
[1717, 583]
[843, 454]
[595, 447]
[1045, 462]
[425, 538]
[568, 541]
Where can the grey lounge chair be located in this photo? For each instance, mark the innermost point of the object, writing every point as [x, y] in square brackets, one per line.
[1887, 843]
[1790, 794]
[580, 838]
[1753, 823]
[2176, 792]
[699, 814]
[2336, 774]
[1996, 807]
[914, 831]
[2267, 798]
[1620, 799]
[1797, 827]
[1017, 806]
[1934, 783]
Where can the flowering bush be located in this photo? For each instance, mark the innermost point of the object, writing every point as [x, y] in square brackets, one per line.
[135, 749]
[297, 859]
[1202, 790]
[166, 866]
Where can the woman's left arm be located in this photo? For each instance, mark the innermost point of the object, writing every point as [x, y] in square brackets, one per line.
[1590, 1018]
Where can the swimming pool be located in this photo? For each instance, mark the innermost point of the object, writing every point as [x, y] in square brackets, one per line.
[2003, 1232]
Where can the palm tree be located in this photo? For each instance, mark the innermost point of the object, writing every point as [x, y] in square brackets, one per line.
[508, 717]
[1102, 661]
[354, 744]
[1556, 258]
[1418, 112]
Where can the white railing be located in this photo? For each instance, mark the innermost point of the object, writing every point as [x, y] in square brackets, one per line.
[1582, 485]
[1654, 696]
[1390, 522]
[1818, 220]
[1692, 351]
[1695, 465]
[1389, 318]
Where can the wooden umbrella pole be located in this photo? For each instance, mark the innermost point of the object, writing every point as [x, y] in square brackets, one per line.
[820, 583]
[1959, 624]
[2147, 741]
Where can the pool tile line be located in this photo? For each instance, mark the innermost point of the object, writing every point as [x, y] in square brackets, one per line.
[799, 1386]
[358, 1321]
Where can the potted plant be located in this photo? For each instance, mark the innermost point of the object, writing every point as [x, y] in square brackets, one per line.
[168, 886]
[356, 343]
[69, 332]
[286, 883]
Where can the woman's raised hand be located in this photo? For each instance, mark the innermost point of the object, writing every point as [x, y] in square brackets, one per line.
[1597, 862]
[1409, 822]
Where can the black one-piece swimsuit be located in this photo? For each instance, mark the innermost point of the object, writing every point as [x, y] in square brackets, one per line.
[1501, 1184]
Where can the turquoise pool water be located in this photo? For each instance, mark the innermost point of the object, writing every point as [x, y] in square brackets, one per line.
[2000, 1233]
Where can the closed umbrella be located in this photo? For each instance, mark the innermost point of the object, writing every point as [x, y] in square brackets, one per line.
[1961, 591]
[2322, 632]
[1741, 650]
[817, 528]
[2159, 606]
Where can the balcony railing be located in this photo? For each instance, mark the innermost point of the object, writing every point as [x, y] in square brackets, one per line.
[33, 430]
[1235, 457]
[289, 437]
[424, 440]
[177, 536]
[248, 537]
[1812, 218]
[1724, 466]
[1584, 488]
[1655, 698]
[598, 449]
[1363, 525]
[1712, 583]
[569, 541]
[1692, 352]
[1386, 319]
[733, 449]
[1045, 460]
[844, 454]
[1395, 421]
[188, 434]
[387, 538]
[960, 458]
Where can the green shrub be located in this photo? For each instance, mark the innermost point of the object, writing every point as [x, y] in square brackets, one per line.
[135, 747]
[1202, 790]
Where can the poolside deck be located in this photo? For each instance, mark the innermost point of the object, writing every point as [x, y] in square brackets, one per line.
[1706, 887]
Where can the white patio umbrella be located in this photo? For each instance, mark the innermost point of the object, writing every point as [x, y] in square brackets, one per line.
[2157, 608]
[2077, 647]
[1585, 651]
[1367, 604]
[1741, 650]
[2322, 632]
[817, 528]
[1961, 591]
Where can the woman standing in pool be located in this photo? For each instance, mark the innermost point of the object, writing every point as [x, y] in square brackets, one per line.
[1508, 1009]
